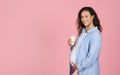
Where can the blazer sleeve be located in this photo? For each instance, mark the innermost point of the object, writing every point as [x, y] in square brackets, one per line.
[93, 53]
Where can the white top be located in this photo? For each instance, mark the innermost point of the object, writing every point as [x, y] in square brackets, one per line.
[73, 52]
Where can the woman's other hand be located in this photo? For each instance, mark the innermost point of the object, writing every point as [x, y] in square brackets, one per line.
[74, 66]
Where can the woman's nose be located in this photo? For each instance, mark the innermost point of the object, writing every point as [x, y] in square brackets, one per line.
[83, 19]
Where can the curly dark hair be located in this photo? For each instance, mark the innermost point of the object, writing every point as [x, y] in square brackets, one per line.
[96, 20]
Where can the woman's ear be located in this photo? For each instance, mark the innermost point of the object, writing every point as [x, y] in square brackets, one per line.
[92, 16]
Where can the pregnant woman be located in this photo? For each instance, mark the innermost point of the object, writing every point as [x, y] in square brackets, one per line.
[85, 50]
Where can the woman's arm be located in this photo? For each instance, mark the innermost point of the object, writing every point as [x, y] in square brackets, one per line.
[93, 54]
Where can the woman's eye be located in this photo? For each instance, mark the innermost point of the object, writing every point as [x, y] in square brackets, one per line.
[86, 16]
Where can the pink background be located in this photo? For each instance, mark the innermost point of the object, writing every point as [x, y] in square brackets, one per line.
[34, 34]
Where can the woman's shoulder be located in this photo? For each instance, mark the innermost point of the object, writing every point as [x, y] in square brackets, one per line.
[95, 35]
[95, 32]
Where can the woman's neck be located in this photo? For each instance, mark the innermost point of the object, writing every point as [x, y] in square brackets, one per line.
[89, 27]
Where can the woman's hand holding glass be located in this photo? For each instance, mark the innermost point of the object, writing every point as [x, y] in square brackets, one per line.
[72, 40]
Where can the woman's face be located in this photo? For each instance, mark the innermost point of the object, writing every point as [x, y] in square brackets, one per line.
[86, 18]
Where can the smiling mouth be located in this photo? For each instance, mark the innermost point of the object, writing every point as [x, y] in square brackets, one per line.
[85, 22]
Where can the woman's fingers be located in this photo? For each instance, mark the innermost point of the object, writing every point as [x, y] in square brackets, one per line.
[75, 66]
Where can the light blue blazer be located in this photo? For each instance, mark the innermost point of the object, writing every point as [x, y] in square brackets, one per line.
[88, 53]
